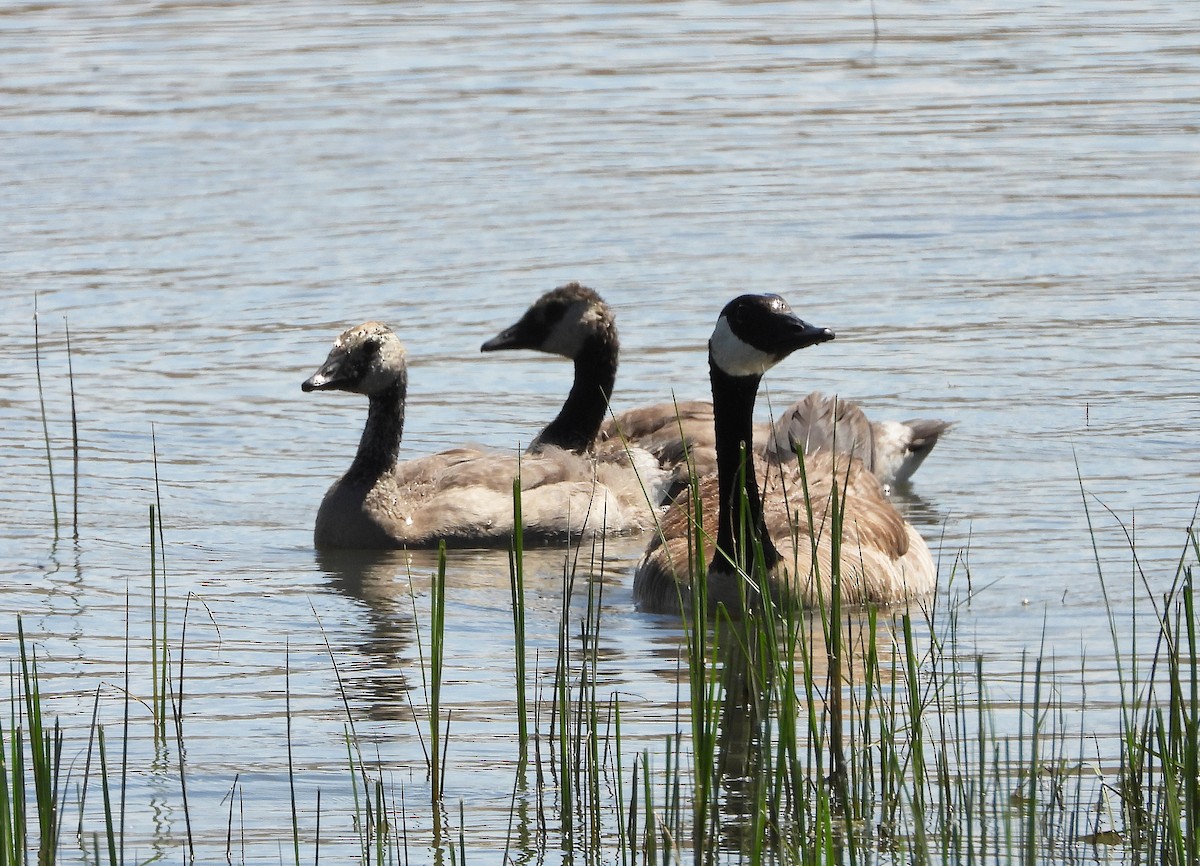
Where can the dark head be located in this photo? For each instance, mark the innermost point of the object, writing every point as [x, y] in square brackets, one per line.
[561, 322]
[756, 332]
[367, 359]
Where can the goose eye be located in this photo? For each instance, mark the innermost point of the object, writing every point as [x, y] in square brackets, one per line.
[371, 347]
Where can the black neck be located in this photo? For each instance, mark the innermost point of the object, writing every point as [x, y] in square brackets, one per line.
[733, 411]
[379, 448]
[579, 420]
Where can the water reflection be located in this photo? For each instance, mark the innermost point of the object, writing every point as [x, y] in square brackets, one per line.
[382, 581]
[925, 513]
[393, 588]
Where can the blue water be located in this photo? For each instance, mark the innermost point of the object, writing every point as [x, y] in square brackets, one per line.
[995, 210]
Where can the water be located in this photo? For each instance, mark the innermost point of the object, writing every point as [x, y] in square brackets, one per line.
[995, 210]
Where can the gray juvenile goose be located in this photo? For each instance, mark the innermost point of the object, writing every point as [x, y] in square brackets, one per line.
[462, 496]
[883, 558]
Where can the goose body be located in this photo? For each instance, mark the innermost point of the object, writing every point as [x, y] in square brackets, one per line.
[462, 496]
[883, 559]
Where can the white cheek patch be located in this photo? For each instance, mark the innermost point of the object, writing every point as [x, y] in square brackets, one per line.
[567, 337]
[734, 355]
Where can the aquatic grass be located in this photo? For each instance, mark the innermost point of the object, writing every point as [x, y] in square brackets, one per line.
[110, 834]
[158, 660]
[922, 780]
[981, 797]
[37, 365]
[370, 822]
[287, 713]
[45, 751]
[74, 436]
[589, 733]
[13, 817]
[37, 360]
[1159, 784]
[437, 649]
[562, 715]
[1170, 729]
[516, 571]
[159, 655]
[181, 756]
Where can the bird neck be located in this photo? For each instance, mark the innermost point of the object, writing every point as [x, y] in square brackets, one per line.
[740, 511]
[578, 422]
[379, 447]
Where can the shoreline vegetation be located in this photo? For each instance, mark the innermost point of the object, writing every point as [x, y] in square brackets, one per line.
[842, 735]
[838, 735]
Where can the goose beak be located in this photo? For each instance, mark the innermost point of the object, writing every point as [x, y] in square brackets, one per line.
[782, 334]
[801, 334]
[509, 338]
[328, 378]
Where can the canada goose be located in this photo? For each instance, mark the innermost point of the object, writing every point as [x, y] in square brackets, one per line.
[883, 558]
[462, 496]
[575, 322]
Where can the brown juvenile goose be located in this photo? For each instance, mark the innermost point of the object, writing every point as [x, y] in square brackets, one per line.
[462, 496]
[883, 559]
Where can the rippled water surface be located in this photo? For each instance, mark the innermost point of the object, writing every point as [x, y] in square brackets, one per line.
[996, 210]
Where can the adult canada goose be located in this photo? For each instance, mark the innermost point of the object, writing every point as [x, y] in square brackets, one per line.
[462, 496]
[575, 322]
[883, 559]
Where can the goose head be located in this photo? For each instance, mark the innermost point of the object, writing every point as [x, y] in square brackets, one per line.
[756, 332]
[366, 359]
[563, 321]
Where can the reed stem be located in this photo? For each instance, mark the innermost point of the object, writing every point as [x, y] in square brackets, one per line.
[37, 363]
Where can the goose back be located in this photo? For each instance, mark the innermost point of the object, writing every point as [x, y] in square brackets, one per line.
[891, 450]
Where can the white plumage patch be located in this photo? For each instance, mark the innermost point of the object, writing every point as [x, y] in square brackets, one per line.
[734, 355]
[569, 332]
